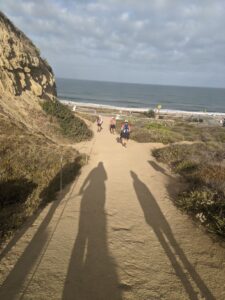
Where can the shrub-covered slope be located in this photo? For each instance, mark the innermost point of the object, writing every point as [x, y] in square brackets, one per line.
[30, 143]
[71, 126]
[29, 172]
[203, 166]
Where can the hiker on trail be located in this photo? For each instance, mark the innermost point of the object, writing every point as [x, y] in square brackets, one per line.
[99, 123]
[125, 133]
[112, 125]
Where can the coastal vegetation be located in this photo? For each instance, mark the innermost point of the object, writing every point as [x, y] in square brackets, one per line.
[71, 126]
[31, 135]
[196, 151]
[203, 167]
[30, 173]
[150, 113]
[168, 131]
[32, 160]
[86, 116]
[31, 165]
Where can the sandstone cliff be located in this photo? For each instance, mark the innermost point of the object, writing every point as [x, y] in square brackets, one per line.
[31, 141]
[22, 70]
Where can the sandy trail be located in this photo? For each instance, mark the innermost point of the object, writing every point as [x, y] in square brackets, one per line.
[114, 235]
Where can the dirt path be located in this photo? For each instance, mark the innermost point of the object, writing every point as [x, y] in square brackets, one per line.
[114, 235]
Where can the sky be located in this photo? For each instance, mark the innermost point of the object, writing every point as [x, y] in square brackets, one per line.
[168, 42]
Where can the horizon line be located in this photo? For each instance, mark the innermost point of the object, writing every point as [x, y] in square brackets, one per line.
[138, 83]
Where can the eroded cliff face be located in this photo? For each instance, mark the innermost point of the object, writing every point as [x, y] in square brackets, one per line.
[22, 70]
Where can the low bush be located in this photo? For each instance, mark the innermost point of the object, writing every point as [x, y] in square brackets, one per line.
[197, 120]
[71, 126]
[30, 173]
[159, 126]
[91, 118]
[170, 131]
[196, 152]
[185, 167]
[202, 165]
[155, 136]
[207, 205]
[150, 113]
[15, 191]
[154, 132]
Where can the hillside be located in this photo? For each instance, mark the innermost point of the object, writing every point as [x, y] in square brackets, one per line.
[30, 138]
[22, 68]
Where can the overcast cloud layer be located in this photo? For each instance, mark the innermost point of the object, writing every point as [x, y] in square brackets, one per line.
[179, 42]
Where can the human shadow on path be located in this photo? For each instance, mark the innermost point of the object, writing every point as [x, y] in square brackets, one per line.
[17, 282]
[49, 193]
[92, 271]
[13, 285]
[155, 218]
[158, 168]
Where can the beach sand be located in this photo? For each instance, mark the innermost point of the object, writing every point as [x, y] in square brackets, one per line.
[209, 118]
[115, 235]
[169, 112]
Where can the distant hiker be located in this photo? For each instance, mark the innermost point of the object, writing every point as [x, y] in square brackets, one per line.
[112, 125]
[99, 123]
[224, 122]
[125, 133]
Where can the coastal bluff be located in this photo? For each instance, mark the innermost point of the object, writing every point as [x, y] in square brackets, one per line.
[32, 141]
[22, 70]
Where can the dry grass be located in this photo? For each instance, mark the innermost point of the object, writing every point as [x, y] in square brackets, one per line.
[169, 131]
[29, 172]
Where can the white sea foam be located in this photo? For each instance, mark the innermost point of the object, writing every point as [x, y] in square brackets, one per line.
[134, 109]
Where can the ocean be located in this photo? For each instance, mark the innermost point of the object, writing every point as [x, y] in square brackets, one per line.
[196, 99]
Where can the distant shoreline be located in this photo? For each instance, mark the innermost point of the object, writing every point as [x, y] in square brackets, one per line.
[134, 109]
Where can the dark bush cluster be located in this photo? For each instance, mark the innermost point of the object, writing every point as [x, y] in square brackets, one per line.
[150, 113]
[15, 191]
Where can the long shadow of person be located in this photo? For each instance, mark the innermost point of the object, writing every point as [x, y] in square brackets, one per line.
[15, 283]
[92, 272]
[20, 277]
[158, 168]
[155, 218]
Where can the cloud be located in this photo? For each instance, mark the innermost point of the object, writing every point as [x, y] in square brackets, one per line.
[183, 39]
[124, 16]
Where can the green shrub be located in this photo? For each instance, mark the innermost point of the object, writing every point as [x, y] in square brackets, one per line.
[207, 205]
[71, 126]
[86, 116]
[30, 173]
[157, 125]
[154, 132]
[150, 113]
[174, 130]
[185, 167]
[197, 120]
[15, 191]
[200, 164]
[198, 152]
